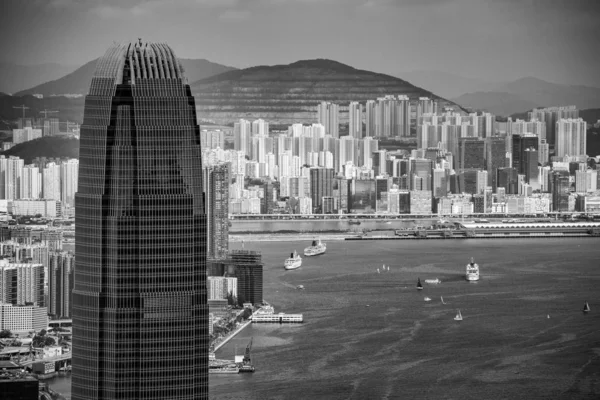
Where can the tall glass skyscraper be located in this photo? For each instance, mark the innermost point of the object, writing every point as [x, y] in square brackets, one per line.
[140, 313]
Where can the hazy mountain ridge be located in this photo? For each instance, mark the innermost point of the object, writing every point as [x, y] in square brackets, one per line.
[14, 78]
[527, 93]
[286, 94]
[78, 82]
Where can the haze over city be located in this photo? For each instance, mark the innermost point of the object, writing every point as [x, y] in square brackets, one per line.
[491, 40]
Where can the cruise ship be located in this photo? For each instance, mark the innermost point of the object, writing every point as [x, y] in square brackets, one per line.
[295, 261]
[472, 273]
[317, 247]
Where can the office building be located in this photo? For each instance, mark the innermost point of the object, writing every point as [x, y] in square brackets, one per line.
[45, 208]
[495, 150]
[321, 185]
[561, 189]
[248, 269]
[507, 179]
[530, 167]
[140, 271]
[60, 283]
[570, 138]
[521, 143]
[471, 153]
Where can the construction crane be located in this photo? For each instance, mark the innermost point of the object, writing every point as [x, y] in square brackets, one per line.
[22, 107]
[46, 112]
[247, 363]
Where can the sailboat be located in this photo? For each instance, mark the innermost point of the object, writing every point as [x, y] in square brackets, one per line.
[419, 285]
[586, 307]
[458, 316]
[441, 298]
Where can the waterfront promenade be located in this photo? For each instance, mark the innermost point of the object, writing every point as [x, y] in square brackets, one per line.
[231, 335]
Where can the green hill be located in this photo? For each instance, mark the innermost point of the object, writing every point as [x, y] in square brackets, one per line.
[50, 146]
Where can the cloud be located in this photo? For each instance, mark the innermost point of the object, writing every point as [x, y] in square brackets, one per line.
[235, 15]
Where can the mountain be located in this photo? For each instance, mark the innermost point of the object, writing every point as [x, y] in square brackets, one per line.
[78, 82]
[15, 77]
[286, 94]
[527, 93]
[446, 84]
[498, 103]
[49, 146]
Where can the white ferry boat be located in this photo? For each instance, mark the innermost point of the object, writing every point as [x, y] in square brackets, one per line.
[316, 248]
[472, 273]
[295, 261]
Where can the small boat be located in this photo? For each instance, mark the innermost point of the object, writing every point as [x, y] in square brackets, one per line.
[419, 285]
[548, 316]
[300, 287]
[472, 273]
[586, 307]
[427, 299]
[378, 271]
[293, 262]
[367, 305]
[441, 298]
[458, 316]
[435, 281]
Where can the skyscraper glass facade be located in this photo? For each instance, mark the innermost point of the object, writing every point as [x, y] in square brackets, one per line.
[140, 319]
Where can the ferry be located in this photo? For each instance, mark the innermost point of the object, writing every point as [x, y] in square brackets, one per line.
[295, 261]
[472, 273]
[317, 247]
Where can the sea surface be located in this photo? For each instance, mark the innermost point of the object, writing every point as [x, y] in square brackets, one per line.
[370, 335]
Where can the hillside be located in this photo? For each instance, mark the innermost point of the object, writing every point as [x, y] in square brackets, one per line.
[14, 78]
[50, 146]
[78, 82]
[527, 93]
[286, 94]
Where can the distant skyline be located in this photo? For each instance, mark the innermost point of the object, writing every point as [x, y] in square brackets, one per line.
[491, 40]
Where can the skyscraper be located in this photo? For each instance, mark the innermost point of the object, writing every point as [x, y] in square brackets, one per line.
[321, 184]
[216, 192]
[355, 111]
[570, 137]
[60, 283]
[140, 316]
[328, 114]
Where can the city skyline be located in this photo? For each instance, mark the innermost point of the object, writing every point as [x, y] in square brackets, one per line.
[552, 40]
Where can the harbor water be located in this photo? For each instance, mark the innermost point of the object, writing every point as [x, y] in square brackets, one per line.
[370, 335]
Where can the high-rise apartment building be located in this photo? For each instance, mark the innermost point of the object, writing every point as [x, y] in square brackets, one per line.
[570, 137]
[550, 116]
[31, 182]
[370, 118]
[241, 137]
[69, 171]
[51, 182]
[392, 116]
[60, 283]
[11, 169]
[140, 315]
[328, 115]
[22, 283]
[216, 193]
[425, 106]
[355, 112]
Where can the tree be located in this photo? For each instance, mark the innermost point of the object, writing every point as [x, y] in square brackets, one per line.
[5, 333]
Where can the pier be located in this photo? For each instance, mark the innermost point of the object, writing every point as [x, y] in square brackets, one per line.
[277, 318]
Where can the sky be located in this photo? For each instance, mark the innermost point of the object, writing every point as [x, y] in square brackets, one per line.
[491, 40]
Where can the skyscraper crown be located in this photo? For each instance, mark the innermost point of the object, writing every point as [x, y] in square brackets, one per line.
[126, 63]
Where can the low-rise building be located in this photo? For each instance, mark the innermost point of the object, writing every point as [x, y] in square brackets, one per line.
[23, 318]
